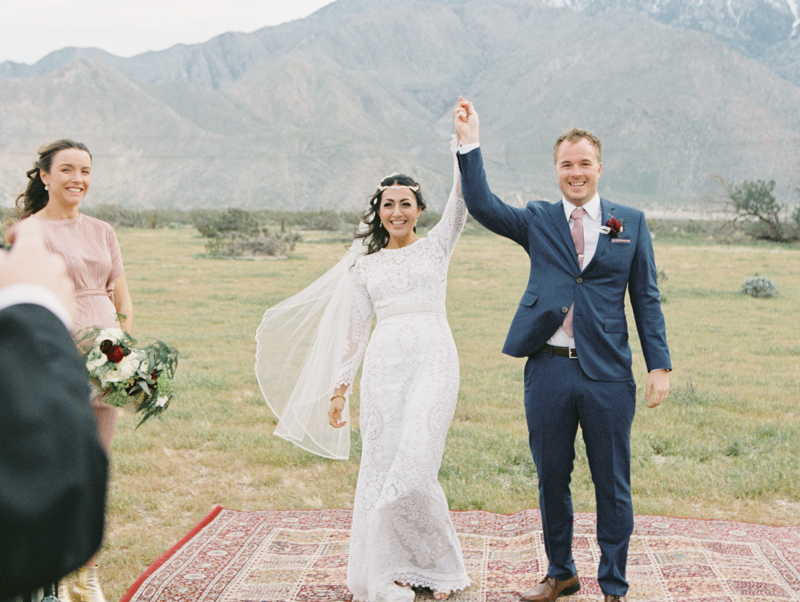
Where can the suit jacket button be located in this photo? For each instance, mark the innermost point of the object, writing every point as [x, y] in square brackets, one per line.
[564, 310]
[579, 280]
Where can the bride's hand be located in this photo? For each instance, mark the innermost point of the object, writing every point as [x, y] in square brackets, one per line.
[335, 412]
[466, 118]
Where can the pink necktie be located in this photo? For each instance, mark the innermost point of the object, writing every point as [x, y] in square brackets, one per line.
[577, 239]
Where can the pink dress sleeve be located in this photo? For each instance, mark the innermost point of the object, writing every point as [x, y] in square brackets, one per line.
[117, 269]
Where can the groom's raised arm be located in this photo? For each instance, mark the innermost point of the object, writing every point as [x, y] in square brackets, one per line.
[484, 206]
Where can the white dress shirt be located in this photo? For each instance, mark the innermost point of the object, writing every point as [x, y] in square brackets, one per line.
[591, 234]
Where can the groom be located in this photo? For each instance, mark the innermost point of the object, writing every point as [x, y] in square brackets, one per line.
[585, 252]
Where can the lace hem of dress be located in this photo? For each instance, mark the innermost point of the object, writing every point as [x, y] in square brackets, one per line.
[395, 593]
[439, 585]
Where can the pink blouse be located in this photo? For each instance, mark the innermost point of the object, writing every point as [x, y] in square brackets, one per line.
[91, 251]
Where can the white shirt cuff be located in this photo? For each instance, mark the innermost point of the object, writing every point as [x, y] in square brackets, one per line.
[465, 148]
[35, 294]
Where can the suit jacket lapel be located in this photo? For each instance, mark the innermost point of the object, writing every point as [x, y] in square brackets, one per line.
[559, 224]
[606, 208]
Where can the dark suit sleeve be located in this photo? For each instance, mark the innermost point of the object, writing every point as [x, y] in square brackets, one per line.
[52, 468]
[646, 302]
[488, 209]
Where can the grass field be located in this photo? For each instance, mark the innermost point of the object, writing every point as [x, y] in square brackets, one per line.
[723, 446]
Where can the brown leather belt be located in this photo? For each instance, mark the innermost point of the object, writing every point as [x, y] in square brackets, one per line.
[569, 352]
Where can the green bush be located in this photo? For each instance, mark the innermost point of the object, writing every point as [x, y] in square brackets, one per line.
[318, 220]
[261, 245]
[222, 224]
[238, 233]
[758, 211]
[758, 286]
[120, 217]
[428, 219]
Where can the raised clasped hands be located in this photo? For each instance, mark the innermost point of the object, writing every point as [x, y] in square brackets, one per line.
[466, 119]
[657, 388]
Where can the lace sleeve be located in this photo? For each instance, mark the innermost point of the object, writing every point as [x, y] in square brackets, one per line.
[445, 234]
[361, 313]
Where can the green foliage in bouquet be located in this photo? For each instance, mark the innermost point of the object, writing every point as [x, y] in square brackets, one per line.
[129, 376]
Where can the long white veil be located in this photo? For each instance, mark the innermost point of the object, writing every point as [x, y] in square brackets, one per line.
[300, 345]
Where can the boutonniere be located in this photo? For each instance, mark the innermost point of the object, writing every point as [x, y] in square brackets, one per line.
[613, 227]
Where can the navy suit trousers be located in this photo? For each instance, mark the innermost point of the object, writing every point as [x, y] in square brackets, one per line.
[558, 398]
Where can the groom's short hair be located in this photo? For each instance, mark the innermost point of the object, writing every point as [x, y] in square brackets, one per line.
[576, 134]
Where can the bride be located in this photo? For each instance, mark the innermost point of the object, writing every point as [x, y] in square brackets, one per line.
[402, 536]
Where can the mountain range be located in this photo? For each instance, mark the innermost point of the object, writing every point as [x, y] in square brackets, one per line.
[313, 113]
[765, 30]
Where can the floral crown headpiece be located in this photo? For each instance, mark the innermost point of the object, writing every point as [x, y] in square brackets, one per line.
[415, 187]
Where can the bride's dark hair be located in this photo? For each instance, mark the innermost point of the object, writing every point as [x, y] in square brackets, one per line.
[376, 234]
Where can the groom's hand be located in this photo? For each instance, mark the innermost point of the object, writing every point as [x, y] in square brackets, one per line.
[466, 122]
[657, 388]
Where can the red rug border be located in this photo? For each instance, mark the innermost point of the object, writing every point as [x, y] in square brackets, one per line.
[169, 553]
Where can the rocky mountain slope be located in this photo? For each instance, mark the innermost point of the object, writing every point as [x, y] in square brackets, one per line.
[313, 113]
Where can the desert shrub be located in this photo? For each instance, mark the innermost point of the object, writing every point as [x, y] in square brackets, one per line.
[758, 286]
[428, 219]
[215, 224]
[121, 217]
[239, 233]
[322, 219]
[264, 244]
[318, 220]
[759, 213]
[169, 216]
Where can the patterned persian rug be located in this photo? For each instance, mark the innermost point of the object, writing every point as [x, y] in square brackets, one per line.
[288, 556]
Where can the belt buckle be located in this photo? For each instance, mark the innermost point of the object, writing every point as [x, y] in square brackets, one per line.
[572, 353]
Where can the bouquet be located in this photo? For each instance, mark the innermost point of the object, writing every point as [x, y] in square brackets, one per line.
[141, 378]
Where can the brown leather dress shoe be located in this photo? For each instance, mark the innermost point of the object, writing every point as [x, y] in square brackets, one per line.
[549, 589]
[614, 599]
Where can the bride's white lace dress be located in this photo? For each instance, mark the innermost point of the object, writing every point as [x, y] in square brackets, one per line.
[402, 530]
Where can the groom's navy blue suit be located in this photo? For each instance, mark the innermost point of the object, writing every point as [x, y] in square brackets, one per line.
[596, 389]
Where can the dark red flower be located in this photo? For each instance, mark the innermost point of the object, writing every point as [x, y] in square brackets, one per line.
[115, 354]
[614, 227]
[106, 345]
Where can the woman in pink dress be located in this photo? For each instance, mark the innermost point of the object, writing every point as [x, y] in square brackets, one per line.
[57, 184]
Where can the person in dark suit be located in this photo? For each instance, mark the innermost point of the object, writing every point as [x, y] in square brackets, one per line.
[585, 252]
[53, 469]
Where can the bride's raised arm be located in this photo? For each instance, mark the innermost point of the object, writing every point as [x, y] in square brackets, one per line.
[454, 217]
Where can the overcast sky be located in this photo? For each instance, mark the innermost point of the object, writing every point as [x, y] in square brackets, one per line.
[31, 29]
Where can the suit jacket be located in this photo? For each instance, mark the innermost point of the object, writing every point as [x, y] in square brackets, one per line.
[556, 280]
[52, 468]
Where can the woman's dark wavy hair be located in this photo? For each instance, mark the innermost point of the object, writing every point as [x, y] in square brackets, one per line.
[375, 233]
[35, 196]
